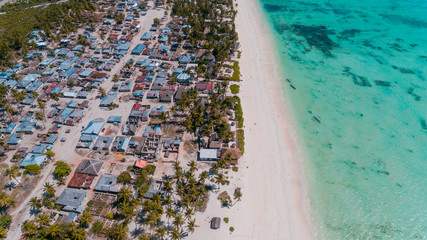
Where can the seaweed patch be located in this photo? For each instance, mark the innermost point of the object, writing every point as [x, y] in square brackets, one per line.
[317, 36]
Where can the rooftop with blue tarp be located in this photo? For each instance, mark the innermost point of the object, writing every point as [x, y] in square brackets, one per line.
[31, 77]
[26, 127]
[9, 128]
[14, 139]
[109, 99]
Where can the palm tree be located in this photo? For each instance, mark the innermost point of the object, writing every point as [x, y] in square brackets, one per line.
[85, 219]
[170, 212]
[9, 110]
[161, 232]
[120, 232]
[29, 228]
[3, 233]
[40, 116]
[36, 203]
[164, 116]
[43, 219]
[219, 179]
[167, 200]
[191, 225]
[124, 194]
[189, 212]
[5, 201]
[237, 195]
[78, 234]
[144, 236]
[49, 189]
[12, 173]
[193, 165]
[41, 105]
[178, 221]
[203, 176]
[102, 92]
[175, 234]
[54, 231]
[167, 186]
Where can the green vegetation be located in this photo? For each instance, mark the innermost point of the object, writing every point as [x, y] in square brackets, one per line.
[32, 169]
[61, 171]
[20, 5]
[6, 201]
[13, 173]
[235, 89]
[97, 228]
[49, 153]
[236, 72]
[226, 219]
[241, 140]
[120, 18]
[239, 112]
[222, 37]
[41, 228]
[16, 25]
[231, 229]
[124, 178]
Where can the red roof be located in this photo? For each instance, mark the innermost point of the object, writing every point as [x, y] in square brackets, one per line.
[136, 106]
[81, 180]
[204, 86]
[140, 163]
[140, 78]
[114, 36]
[139, 86]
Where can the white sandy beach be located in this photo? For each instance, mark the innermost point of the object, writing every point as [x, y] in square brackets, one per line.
[272, 206]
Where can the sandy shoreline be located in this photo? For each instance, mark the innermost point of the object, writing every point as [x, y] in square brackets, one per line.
[273, 178]
[273, 203]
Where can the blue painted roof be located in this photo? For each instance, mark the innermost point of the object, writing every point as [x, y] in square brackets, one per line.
[31, 158]
[94, 127]
[114, 119]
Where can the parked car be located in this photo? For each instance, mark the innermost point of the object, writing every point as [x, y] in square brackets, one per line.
[63, 139]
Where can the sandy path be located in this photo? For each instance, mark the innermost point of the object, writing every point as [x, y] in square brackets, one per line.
[272, 203]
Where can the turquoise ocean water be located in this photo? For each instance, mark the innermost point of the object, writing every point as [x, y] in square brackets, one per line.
[357, 84]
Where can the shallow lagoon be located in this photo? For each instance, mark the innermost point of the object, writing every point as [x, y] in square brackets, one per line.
[358, 71]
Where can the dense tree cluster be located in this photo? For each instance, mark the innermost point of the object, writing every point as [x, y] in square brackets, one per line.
[15, 25]
[222, 36]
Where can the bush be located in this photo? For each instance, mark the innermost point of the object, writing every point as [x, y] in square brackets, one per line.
[50, 153]
[239, 112]
[124, 177]
[109, 215]
[241, 140]
[235, 89]
[97, 228]
[236, 72]
[235, 169]
[61, 171]
[150, 169]
[231, 229]
[32, 169]
[226, 220]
